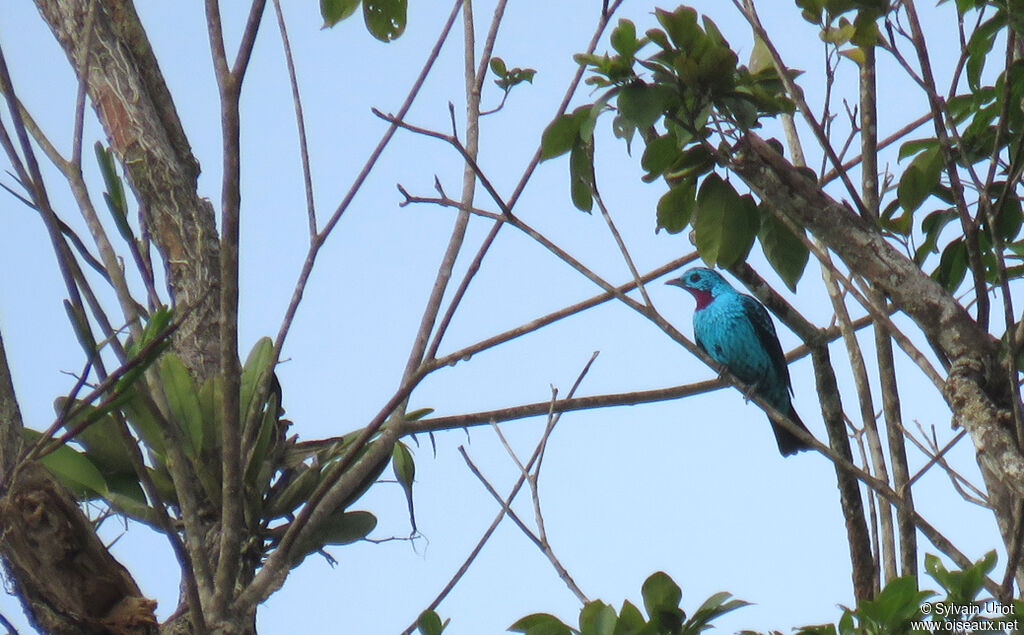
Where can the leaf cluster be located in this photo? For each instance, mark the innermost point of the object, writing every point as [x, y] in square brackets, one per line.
[688, 88]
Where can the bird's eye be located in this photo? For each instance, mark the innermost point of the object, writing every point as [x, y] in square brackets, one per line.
[694, 277]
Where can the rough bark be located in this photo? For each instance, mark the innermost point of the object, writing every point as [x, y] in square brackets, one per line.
[135, 108]
[64, 575]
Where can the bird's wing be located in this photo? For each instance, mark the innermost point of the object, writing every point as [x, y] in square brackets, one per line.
[765, 331]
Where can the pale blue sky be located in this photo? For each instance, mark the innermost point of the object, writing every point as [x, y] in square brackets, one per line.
[695, 488]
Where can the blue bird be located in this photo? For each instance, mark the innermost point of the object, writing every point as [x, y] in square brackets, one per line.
[737, 332]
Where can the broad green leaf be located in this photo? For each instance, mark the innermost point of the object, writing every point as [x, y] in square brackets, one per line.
[726, 223]
[183, 400]
[1010, 216]
[429, 623]
[144, 424]
[675, 207]
[101, 439]
[540, 624]
[211, 407]
[760, 57]
[334, 11]
[340, 528]
[257, 364]
[932, 226]
[681, 26]
[786, 253]
[914, 146]
[268, 426]
[597, 618]
[404, 465]
[73, 469]
[385, 19]
[714, 607]
[641, 104]
[498, 66]
[952, 265]
[581, 176]
[631, 620]
[980, 45]
[660, 593]
[920, 179]
[659, 155]
[559, 136]
[623, 38]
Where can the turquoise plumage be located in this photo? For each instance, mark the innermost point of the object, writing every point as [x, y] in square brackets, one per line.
[737, 332]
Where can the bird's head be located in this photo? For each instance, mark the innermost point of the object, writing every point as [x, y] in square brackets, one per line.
[704, 284]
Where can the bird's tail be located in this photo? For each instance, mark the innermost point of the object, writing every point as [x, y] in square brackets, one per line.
[788, 442]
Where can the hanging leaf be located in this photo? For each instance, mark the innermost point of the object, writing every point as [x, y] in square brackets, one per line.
[405, 472]
[581, 176]
[675, 207]
[334, 11]
[726, 223]
[560, 135]
[786, 253]
[920, 179]
[385, 19]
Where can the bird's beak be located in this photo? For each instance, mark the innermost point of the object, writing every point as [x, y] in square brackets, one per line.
[676, 282]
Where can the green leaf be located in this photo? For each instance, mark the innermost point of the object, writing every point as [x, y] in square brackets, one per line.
[334, 11]
[498, 68]
[348, 527]
[540, 624]
[952, 265]
[144, 424]
[597, 618]
[659, 155]
[760, 57]
[284, 499]
[114, 196]
[385, 19]
[714, 607]
[675, 207]
[631, 620]
[183, 401]
[979, 45]
[681, 26]
[920, 179]
[72, 468]
[429, 623]
[560, 135]
[581, 176]
[340, 528]
[211, 405]
[80, 323]
[932, 226]
[623, 38]
[416, 415]
[405, 473]
[257, 365]
[641, 104]
[660, 593]
[101, 438]
[786, 253]
[726, 223]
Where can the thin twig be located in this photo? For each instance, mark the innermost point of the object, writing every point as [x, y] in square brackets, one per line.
[300, 121]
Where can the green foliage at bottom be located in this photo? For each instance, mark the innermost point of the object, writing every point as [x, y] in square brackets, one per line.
[901, 608]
